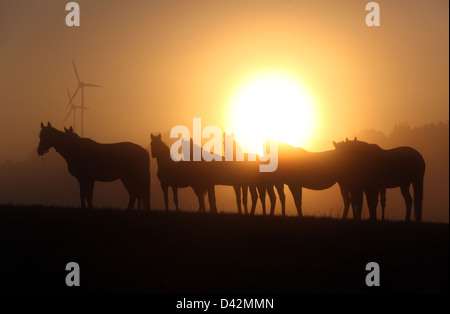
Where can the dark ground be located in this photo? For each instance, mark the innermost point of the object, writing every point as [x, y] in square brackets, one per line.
[159, 252]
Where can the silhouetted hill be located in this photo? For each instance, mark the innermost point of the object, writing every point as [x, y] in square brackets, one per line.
[160, 252]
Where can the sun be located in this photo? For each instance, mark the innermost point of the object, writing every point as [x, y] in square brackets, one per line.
[272, 106]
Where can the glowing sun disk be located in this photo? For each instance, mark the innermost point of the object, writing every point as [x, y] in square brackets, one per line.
[272, 106]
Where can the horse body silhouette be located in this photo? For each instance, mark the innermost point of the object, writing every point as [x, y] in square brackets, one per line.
[241, 185]
[90, 161]
[180, 175]
[299, 168]
[370, 169]
[241, 191]
[296, 167]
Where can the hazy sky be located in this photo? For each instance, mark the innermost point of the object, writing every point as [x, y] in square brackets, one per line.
[164, 62]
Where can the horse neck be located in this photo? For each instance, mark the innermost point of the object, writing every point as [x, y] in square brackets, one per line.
[163, 158]
[64, 146]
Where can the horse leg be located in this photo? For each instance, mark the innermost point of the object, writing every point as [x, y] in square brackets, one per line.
[372, 202]
[237, 192]
[143, 192]
[359, 204]
[82, 192]
[89, 192]
[408, 200]
[165, 189]
[201, 200]
[262, 197]
[273, 199]
[132, 192]
[175, 197]
[297, 195]
[282, 196]
[138, 197]
[212, 199]
[346, 197]
[356, 199]
[245, 197]
[254, 196]
[131, 201]
[418, 199]
[383, 202]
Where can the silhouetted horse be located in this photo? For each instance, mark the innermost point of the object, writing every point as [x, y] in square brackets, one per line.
[260, 189]
[298, 168]
[356, 199]
[241, 191]
[370, 169]
[268, 187]
[356, 202]
[241, 181]
[180, 175]
[90, 161]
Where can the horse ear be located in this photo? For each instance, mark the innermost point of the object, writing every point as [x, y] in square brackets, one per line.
[159, 136]
[151, 135]
[49, 124]
[334, 143]
[71, 129]
[65, 130]
[42, 125]
[355, 139]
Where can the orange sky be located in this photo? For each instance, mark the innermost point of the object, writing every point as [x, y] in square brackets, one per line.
[164, 62]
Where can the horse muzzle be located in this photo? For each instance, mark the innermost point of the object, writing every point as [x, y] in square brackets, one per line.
[41, 151]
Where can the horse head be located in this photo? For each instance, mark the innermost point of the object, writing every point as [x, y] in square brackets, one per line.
[70, 132]
[357, 157]
[349, 146]
[47, 138]
[156, 145]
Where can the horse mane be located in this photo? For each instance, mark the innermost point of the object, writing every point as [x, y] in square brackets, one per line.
[74, 136]
[356, 144]
[162, 147]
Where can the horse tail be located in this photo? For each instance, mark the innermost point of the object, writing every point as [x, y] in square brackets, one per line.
[146, 184]
[418, 189]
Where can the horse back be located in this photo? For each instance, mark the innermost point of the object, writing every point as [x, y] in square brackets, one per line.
[403, 162]
[405, 158]
[108, 162]
[313, 170]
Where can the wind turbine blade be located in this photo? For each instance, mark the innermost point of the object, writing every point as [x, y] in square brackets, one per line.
[74, 94]
[93, 85]
[76, 72]
[68, 114]
[70, 99]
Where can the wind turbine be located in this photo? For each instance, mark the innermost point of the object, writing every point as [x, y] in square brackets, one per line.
[81, 86]
[73, 108]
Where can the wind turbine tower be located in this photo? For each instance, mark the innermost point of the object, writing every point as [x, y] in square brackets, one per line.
[81, 85]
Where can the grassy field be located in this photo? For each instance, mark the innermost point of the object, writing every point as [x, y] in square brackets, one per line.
[159, 252]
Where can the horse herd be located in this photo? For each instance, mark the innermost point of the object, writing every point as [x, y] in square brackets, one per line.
[358, 167]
